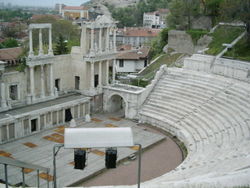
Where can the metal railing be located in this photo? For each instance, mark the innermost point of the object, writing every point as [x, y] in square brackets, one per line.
[12, 162]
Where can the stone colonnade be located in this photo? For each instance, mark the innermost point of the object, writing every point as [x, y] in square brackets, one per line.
[42, 82]
[40, 61]
[98, 44]
[40, 27]
[100, 73]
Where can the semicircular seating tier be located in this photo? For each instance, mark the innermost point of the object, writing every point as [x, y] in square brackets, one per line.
[211, 115]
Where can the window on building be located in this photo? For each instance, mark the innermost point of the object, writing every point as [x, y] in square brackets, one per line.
[33, 125]
[96, 80]
[13, 94]
[121, 63]
[77, 82]
[57, 84]
[145, 63]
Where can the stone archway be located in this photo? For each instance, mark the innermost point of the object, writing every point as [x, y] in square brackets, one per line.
[116, 104]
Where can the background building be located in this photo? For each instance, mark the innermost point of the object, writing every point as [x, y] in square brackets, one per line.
[155, 19]
[136, 36]
[72, 12]
[132, 61]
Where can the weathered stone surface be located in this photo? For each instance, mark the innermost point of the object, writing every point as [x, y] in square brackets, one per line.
[203, 22]
[180, 41]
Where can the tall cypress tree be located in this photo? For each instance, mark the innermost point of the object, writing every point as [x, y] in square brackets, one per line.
[61, 46]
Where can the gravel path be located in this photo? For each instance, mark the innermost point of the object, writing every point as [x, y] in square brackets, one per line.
[156, 161]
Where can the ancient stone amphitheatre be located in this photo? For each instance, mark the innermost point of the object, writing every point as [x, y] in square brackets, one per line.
[209, 111]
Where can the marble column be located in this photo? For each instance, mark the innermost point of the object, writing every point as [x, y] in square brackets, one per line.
[92, 75]
[107, 73]
[87, 14]
[32, 83]
[40, 42]
[107, 39]
[92, 40]
[81, 14]
[114, 70]
[100, 40]
[50, 42]
[114, 40]
[42, 82]
[83, 39]
[31, 52]
[3, 96]
[51, 80]
[100, 74]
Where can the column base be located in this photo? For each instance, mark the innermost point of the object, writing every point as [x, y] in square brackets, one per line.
[4, 104]
[31, 54]
[29, 99]
[40, 54]
[51, 53]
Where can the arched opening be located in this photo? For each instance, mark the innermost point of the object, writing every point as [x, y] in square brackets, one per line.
[117, 105]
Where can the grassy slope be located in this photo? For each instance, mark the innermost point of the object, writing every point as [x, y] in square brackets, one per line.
[223, 34]
[149, 72]
[240, 51]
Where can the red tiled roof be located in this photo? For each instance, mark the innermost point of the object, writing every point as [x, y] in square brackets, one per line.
[10, 53]
[124, 47]
[163, 11]
[159, 11]
[140, 32]
[151, 13]
[39, 16]
[75, 8]
[141, 53]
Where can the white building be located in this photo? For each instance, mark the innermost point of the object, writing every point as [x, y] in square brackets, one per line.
[155, 19]
[132, 60]
[151, 20]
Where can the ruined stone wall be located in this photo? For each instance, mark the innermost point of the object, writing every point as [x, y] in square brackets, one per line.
[182, 42]
[63, 71]
[16, 78]
[203, 22]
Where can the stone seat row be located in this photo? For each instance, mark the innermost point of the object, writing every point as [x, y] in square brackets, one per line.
[210, 115]
[179, 109]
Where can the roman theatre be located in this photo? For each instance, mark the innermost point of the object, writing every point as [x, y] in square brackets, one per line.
[205, 104]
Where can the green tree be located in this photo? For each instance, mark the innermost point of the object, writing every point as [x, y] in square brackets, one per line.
[9, 43]
[158, 43]
[9, 15]
[69, 32]
[10, 31]
[61, 46]
[212, 9]
[182, 12]
[133, 15]
[232, 10]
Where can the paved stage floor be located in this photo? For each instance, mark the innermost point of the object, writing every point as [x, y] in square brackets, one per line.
[37, 149]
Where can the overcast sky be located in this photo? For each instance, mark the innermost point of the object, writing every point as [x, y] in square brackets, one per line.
[50, 3]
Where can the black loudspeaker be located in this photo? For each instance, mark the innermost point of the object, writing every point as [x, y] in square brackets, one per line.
[80, 159]
[110, 158]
